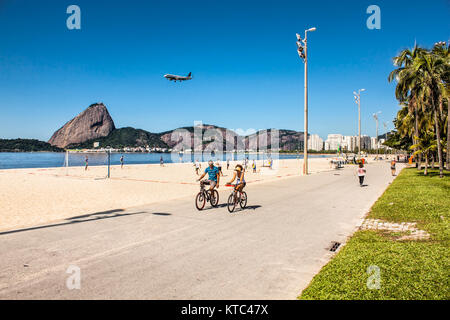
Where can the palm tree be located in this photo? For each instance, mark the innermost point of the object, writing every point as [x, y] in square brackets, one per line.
[422, 84]
[408, 84]
[425, 146]
[430, 67]
[442, 50]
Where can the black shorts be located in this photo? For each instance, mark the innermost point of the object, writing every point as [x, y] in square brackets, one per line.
[241, 183]
[210, 182]
[220, 168]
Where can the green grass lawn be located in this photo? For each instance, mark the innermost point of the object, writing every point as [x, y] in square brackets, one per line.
[408, 269]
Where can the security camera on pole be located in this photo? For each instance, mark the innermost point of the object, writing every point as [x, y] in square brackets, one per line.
[302, 49]
[358, 102]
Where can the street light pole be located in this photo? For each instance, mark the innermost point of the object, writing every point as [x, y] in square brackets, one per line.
[358, 101]
[109, 161]
[303, 53]
[375, 116]
[305, 134]
[385, 138]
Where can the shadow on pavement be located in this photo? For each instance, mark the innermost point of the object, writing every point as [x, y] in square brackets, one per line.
[96, 213]
[224, 205]
[73, 220]
[218, 206]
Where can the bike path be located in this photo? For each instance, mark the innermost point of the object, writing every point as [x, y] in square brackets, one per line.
[170, 250]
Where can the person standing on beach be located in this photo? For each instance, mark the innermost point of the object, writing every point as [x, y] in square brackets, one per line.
[161, 162]
[254, 166]
[361, 174]
[228, 164]
[197, 166]
[86, 161]
[219, 166]
[121, 162]
[393, 162]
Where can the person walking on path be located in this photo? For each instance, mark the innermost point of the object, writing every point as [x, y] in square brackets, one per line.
[86, 161]
[121, 162]
[361, 174]
[393, 162]
[197, 166]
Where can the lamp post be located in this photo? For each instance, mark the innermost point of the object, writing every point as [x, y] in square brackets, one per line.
[109, 160]
[385, 138]
[358, 102]
[375, 116]
[302, 50]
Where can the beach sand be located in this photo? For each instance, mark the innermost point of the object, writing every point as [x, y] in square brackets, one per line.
[32, 197]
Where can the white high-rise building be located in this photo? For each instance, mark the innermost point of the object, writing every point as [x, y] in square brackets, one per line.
[315, 142]
[334, 141]
[350, 143]
[365, 142]
[373, 143]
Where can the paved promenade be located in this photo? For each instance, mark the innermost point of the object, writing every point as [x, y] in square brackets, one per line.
[169, 250]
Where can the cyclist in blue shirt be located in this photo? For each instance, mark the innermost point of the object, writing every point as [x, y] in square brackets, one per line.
[213, 176]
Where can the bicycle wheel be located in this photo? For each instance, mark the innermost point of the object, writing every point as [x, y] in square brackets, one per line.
[231, 203]
[200, 201]
[214, 198]
[243, 202]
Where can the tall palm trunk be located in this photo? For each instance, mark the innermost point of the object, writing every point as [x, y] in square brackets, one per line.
[438, 136]
[426, 165]
[448, 135]
[416, 134]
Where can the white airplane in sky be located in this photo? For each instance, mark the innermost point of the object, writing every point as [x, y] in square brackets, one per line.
[176, 78]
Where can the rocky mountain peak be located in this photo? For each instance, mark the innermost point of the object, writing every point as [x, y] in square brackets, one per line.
[94, 122]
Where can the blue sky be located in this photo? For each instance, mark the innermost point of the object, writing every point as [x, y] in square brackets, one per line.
[242, 54]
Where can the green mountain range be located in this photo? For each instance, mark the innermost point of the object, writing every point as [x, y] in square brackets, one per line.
[26, 145]
[124, 137]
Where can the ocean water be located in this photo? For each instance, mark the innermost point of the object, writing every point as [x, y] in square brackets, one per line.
[16, 160]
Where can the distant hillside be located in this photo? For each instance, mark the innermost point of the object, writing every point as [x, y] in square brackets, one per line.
[96, 125]
[289, 140]
[175, 138]
[124, 137]
[26, 145]
[383, 136]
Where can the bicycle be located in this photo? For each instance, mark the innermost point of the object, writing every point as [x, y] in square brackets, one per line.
[206, 195]
[236, 197]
